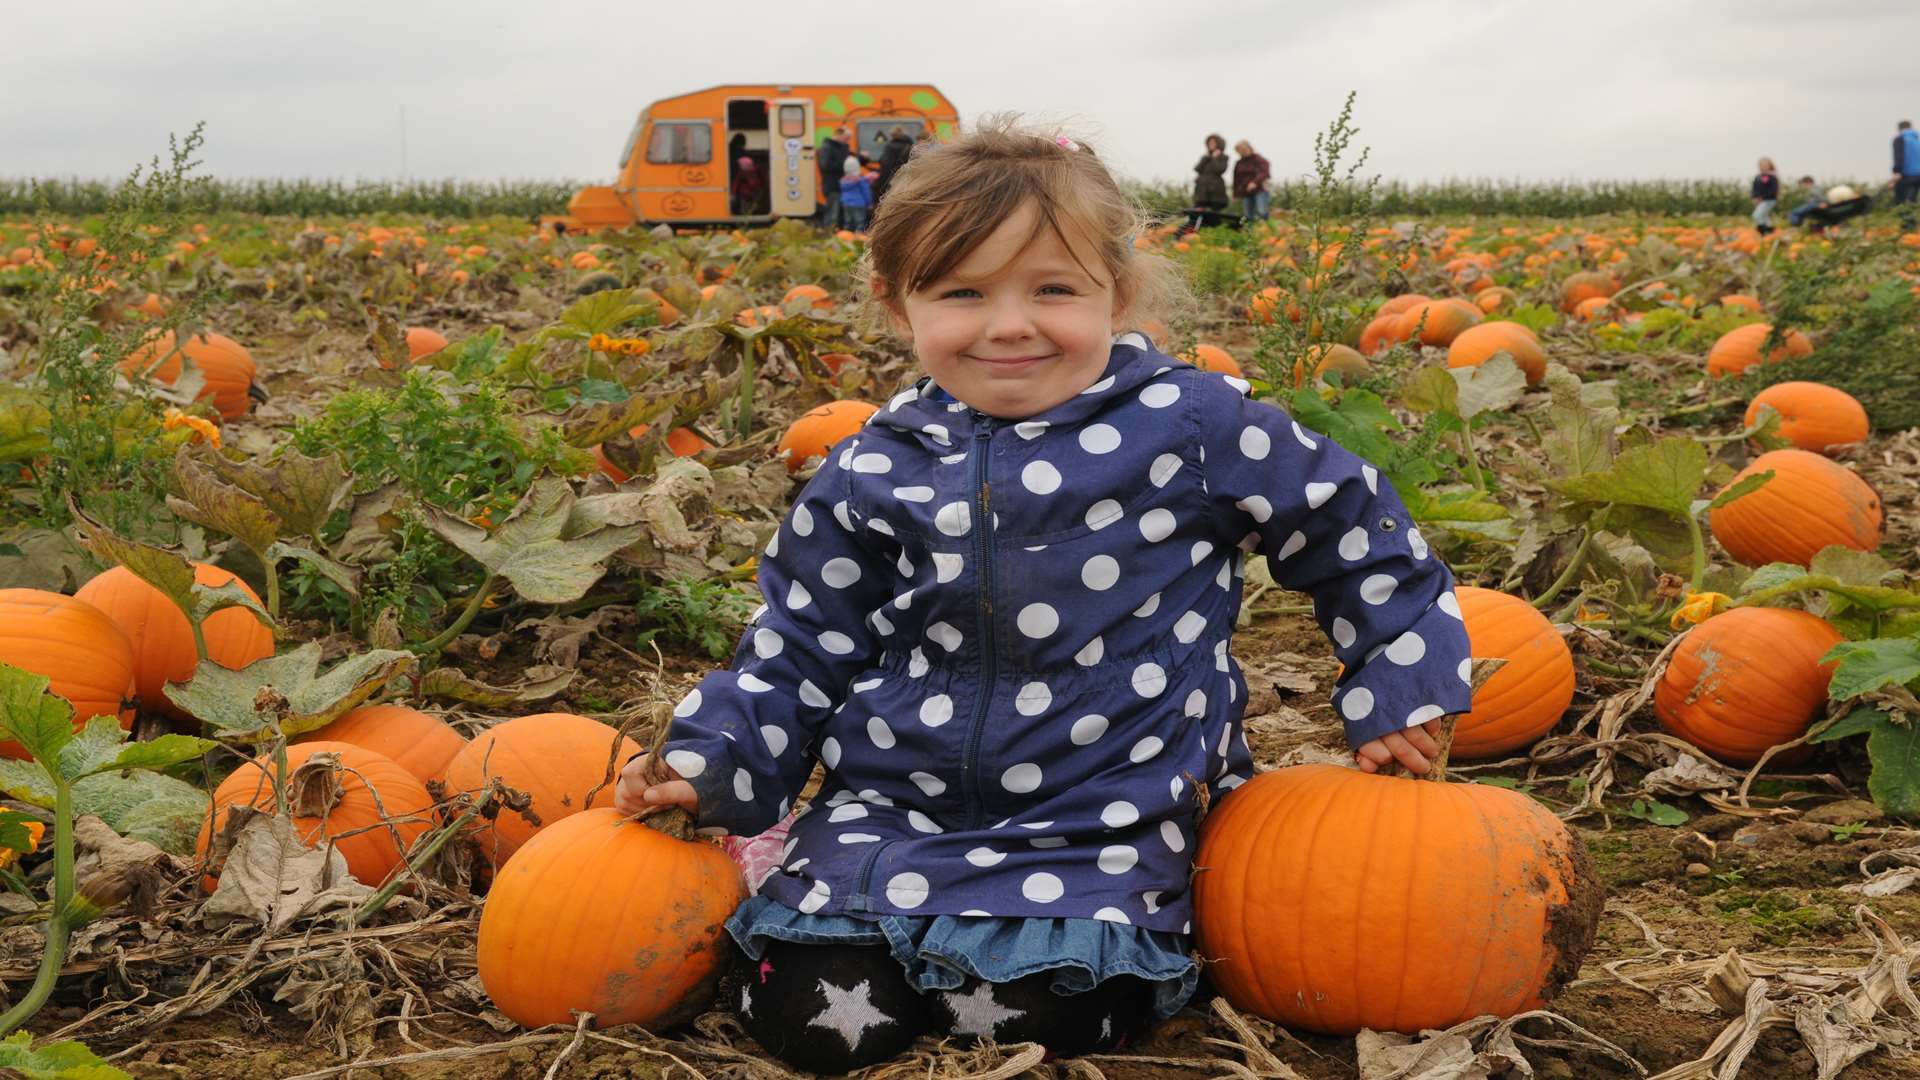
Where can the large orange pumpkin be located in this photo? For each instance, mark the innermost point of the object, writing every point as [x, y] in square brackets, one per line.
[1745, 680]
[1525, 699]
[815, 433]
[85, 658]
[1478, 344]
[350, 816]
[1739, 349]
[1212, 358]
[1330, 899]
[162, 638]
[1810, 503]
[421, 744]
[555, 757]
[227, 366]
[1437, 321]
[1380, 335]
[1813, 416]
[1398, 304]
[604, 914]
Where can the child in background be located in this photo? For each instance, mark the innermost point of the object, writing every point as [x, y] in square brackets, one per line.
[856, 196]
[747, 186]
[1001, 616]
[1809, 201]
[1766, 194]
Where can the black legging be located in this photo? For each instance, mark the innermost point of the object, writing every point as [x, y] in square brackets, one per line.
[835, 1008]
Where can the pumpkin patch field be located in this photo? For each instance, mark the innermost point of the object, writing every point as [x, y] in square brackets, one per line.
[345, 561]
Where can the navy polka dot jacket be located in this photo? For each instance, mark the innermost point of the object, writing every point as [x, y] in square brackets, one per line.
[1008, 642]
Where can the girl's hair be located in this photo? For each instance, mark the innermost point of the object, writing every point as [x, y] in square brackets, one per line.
[951, 196]
[1216, 140]
[1766, 164]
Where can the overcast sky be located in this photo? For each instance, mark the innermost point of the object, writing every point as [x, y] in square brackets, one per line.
[1500, 88]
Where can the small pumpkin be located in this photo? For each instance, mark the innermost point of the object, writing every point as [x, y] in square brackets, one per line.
[224, 363]
[162, 639]
[417, 742]
[84, 657]
[1739, 349]
[1741, 300]
[1810, 503]
[1269, 303]
[1813, 416]
[1496, 298]
[1212, 358]
[1323, 358]
[342, 803]
[816, 297]
[682, 442]
[424, 341]
[550, 942]
[1478, 344]
[816, 432]
[1586, 285]
[1525, 699]
[1398, 304]
[1378, 336]
[1747, 680]
[555, 757]
[1437, 322]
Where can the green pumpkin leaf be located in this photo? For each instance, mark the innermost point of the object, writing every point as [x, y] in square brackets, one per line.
[239, 704]
[1665, 475]
[1582, 417]
[302, 491]
[24, 421]
[13, 831]
[165, 570]
[535, 549]
[209, 501]
[1742, 486]
[162, 752]
[1431, 390]
[55, 1061]
[346, 577]
[32, 717]
[1865, 666]
[1850, 567]
[141, 805]
[1489, 387]
[1893, 748]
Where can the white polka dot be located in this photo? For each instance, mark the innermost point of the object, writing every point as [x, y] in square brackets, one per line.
[1151, 898]
[1257, 507]
[1354, 546]
[1237, 383]
[1088, 729]
[1357, 703]
[752, 684]
[773, 546]
[936, 710]
[985, 857]
[1149, 680]
[919, 493]
[1450, 604]
[1042, 888]
[743, 785]
[939, 433]
[1318, 494]
[880, 733]
[767, 644]
[1159, 395]
[929, 784]
[1022, 778]
[811, 695]
[907, 890]
[917, 663]
[1423, 714]
[1171, 834]
[1144, 610]
[1100, 387]
[1033, 699]
[688, 705]
[816, 898]
[1372, 476]
[840, 573]
[1112, 914]
[1407, 649]
[1157, 524]
[947, 565]
[1343, 632]
[830, 752]
[954, 519]
[848, 811]
[1300, 434]
[1146, 749]
[1199, 551]
[923, 824]
[798, 596]
[1254, 443]
[1292, 547]
[1030, 429]
[1164, 468]
[872, 463]
[1102, 514]
[904, 565]
[1117, 859]
[1417, 543]
[1175, 786]
[775, 737]
[836, 642]
[1100, 573]
[1466, 671]
[1196, 703]
[1119, 814]
[1099, 439]
[685, 762]
[1040, 478]
[944, 635]
[1190, 627]
[1038, 620]
[1226, 738]
[880, 622]
[1378, 588]
[842, 515]
[1047, 842]
[802, 520]
[1090, 653]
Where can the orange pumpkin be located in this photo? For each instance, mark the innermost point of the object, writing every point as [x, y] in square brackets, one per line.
[1739, 349]
[1320, 359]
[1333, 900]
[350, 816]
[1438, 322]
[1401, 303]
[1269, 302]
[1212, 358]
[1586, 285]
[681, 441]
[1813, 416]
[1379, 335]
[1746, 680]
[1740, 300]
[226, 365]
[1478, 344]
[1496, 298]
[1524, 700]
[548, 946]
[1593, 309]
[84, 657]
[417, 742]
[1810, 503]
[153, 307]
[555, 757]
[162, 639]
[813, 434]
[423, 341]
[814, 294]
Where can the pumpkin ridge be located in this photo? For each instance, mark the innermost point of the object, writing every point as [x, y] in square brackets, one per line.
[1323, 797]
[1487, 909]
[1244, 928]
[1367, 873]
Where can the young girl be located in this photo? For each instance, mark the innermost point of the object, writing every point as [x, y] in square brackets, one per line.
[1766, 195]
[1000, 616]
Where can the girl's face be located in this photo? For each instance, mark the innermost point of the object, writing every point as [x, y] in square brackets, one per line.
[1014, 332]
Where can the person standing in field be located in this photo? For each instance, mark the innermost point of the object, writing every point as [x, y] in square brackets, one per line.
[1023, 706]
[1209, 183]
[899, 148]
[1906, 169]
[748, 185]
[1250, 175]
[856, 195]
[1766, 195]
[832, 159]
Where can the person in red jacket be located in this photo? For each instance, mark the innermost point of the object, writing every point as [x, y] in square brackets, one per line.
[1250, 175]
[748, 185]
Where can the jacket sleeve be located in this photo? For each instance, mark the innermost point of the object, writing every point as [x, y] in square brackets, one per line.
[1332, 527]
[743, 737]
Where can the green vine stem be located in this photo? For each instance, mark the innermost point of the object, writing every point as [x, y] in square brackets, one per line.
[1473, 459]
[1567, 575]
[378, 901]
[59, 928]
[273, 587]
[1699, 552]
[474, 603]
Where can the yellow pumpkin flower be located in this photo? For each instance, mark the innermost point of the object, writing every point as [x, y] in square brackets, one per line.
[1698, 608]
[35, 830]
[202, 427]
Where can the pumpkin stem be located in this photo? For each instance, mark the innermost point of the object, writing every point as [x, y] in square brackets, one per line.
[673, 821]
[1483, 669]
[315, 787]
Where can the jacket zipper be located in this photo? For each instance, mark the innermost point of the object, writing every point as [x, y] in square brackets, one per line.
[989, 655]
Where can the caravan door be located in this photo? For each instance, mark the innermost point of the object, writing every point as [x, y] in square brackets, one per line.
[793, 180]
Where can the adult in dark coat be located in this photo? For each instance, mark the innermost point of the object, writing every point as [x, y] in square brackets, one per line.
[1209, 185]
[832, 159]
[1250, 175]
[899, 148]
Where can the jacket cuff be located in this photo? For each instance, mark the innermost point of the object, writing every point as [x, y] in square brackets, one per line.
[729, 803]
[1422, 675]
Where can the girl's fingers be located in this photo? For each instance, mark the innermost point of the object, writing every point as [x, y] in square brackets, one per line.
[1405, 753]
[1422, 741]
[671, 793]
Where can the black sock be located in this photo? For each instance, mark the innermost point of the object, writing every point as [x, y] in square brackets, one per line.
[1028, 1010]
[829, 1008]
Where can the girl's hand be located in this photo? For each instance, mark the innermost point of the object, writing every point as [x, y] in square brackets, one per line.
[1414, 748]
[634, 796]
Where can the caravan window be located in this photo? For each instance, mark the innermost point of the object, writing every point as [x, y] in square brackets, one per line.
[678, 143]
[793, 121]
[873, 134]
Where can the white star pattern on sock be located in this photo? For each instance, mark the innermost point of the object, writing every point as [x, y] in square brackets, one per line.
[978, 1012]
[849, 1012]
[746, 1000]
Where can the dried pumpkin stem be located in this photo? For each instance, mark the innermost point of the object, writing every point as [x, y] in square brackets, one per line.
[1483, 669]
[379, 900]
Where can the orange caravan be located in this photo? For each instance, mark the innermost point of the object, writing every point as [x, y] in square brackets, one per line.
[680, 161]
